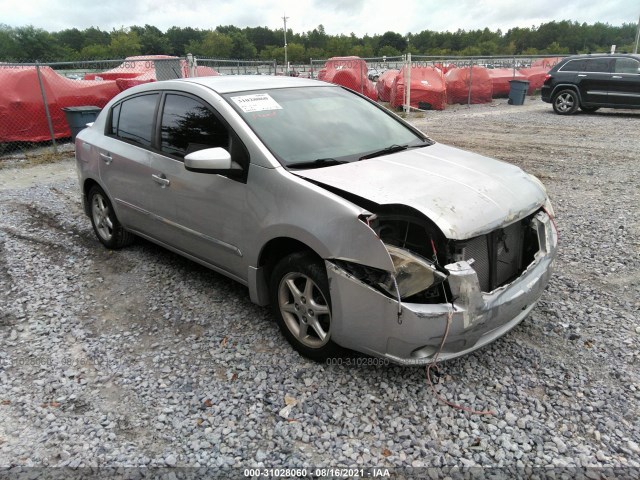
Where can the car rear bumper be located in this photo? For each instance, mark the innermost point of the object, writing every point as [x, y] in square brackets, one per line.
[366, 320]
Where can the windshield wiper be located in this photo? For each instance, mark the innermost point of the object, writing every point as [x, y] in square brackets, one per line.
[393, 149]
[384, 151]
[320, 162]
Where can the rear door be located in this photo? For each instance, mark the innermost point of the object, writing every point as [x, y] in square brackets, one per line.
[625, 82]
[595, 80]
[125, 166]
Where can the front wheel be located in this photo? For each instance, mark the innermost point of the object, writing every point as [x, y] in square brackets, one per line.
[566, 102]
[300, 299]
[105, 223]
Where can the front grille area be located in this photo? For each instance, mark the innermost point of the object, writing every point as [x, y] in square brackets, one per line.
[502, 255]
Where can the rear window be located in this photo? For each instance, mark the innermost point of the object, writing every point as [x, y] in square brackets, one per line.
[598, 65]
[132, 119]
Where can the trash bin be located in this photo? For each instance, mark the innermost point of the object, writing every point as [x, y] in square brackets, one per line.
[517, 91]
[78, 117]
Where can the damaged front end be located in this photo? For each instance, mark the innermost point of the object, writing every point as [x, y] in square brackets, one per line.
[482, 286]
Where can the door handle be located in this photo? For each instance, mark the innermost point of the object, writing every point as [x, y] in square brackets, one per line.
[161, 179]
[581, 75]
[106, 157]
[617, 76]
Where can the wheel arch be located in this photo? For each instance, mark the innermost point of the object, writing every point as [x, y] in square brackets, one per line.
[566, 86]
[271, 253]
[88, 184]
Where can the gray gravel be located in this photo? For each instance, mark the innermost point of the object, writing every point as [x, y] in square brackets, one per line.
[142, 358]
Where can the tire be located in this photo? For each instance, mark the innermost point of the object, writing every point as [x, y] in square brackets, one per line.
[589, 109]
[301, 303]
[565, 102]
[105, 223]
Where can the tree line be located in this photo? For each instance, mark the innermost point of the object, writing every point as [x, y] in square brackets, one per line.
[28, 43]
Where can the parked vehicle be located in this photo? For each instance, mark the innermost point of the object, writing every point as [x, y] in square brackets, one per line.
[590, 82]
[359, 230]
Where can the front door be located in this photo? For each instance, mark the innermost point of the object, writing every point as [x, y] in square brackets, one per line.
[625, 82]
[200, 209]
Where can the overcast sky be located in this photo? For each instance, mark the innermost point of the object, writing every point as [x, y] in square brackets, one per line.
[338, 16]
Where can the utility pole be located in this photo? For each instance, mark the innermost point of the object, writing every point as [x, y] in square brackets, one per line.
[286, 62]
[635, 49]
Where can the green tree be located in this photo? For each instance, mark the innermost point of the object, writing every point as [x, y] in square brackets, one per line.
[9, 48]
[393, 39]
[241, 46]
[124, 43]
[389, 51]
[179, 38]
[152, 40]
[95, 52]
[36, 44]
[213, 45]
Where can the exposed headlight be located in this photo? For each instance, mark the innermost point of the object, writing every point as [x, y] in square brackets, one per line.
[413, 274]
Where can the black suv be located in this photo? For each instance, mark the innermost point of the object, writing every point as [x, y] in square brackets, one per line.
[589, 82]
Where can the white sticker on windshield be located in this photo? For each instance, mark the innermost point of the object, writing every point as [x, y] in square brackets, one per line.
[256, 103]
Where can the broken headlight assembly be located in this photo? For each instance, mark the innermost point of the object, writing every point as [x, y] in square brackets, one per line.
[413, 274]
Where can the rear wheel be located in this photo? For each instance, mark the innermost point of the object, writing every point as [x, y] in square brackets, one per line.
[565, 102]
[105, 223]
[302, 305]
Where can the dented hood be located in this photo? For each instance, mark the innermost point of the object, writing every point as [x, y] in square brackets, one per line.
[463, 193]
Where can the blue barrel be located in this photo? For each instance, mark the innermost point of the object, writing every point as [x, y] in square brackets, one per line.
[78, 117]
[517, 91]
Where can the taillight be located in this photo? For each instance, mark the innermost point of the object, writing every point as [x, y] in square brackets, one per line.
[547, 78]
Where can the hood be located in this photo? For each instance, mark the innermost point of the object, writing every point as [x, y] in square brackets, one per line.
[463, 193]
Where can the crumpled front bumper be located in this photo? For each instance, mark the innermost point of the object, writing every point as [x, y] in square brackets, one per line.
[366, 320]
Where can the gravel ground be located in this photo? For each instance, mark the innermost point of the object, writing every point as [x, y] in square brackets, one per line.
[142, 358]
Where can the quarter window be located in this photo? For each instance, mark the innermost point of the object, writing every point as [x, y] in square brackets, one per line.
[574, 66]
[189, 125]
[135, 122]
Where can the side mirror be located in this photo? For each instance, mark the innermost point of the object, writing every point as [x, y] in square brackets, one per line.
[210, 160]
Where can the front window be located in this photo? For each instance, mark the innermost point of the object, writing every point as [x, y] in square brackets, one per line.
[321, 124]
[627, 65]
[188, 125]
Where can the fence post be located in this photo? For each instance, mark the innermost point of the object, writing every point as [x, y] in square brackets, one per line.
[514, 67]
[361, 80]
[407, 83]
[470, 84]
[191, 64]
[46, 108]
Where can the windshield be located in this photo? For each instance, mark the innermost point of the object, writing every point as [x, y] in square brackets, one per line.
[320, 126]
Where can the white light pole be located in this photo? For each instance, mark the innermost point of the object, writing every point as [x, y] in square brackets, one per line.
[286, 62]
[635, 49]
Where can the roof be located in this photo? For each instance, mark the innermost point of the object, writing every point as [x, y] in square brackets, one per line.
[241, 83]
[601, 55]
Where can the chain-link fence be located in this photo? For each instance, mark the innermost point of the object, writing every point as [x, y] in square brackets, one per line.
[434, 81]
[213, 66]
[34, 96]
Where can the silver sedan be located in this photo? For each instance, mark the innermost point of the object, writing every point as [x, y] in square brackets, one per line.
[358, 230]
